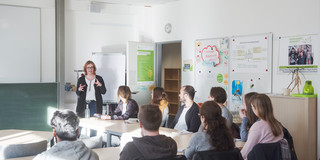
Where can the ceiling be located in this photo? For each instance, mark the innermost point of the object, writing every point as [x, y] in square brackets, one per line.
[146, 3]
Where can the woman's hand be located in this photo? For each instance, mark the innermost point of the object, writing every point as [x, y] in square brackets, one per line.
[242, 113]
[98, 83]
[81, 87]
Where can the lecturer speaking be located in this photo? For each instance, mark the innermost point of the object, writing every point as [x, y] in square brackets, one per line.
[89, 90]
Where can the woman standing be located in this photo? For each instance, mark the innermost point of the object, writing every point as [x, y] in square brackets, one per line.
[267, 130]
[89, 90]
[160, 98]
[215, 134]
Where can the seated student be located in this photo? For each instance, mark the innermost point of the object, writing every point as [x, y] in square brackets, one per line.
[65, 126]
[215, 134]
[151, 145]
[127, 107]
[159, 97]
[187, 116]
[247, 116]
[267, 130]
[219, 95]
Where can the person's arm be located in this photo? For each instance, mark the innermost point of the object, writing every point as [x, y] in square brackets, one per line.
[101, 88]
[243, 129]
[191, 149]
[253, 139]
[164, 117]
[80, 87]
[195, 121]
[131, 109]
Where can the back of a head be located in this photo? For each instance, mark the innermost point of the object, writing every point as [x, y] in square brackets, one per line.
[219, 94]
[158, 95]
[220, 135]
[190, 91]
[250, 114]
[66, 124]
[124, 92]
[262, 103]
[150, 117]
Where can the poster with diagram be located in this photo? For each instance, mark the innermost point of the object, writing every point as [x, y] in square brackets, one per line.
[250, 67]
[211, 66]
[298, 52]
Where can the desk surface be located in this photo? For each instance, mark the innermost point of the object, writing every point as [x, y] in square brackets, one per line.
[119, 126]
[14, 136]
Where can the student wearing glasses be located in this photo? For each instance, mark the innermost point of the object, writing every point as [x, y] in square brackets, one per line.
[89, 90]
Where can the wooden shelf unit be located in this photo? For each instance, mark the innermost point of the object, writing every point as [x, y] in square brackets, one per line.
[172, 84]
[299, 116]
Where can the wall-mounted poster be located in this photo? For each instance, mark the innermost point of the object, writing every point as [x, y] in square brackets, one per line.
[298, 52]
[145, 66]
[211, 66]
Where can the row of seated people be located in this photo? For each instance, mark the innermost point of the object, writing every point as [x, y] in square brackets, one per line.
[213, 133]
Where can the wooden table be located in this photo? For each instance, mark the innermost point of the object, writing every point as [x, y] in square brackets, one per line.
[14, 136]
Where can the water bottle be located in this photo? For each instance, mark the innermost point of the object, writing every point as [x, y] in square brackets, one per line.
[87, 112]
[104, 110]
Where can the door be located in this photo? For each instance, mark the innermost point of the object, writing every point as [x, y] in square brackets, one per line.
[140, 70]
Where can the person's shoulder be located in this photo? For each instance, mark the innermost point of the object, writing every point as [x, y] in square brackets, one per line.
[99, 77]
[41, 156]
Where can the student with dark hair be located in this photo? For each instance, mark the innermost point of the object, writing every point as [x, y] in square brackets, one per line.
[219, 95]
[160, 98]
[187, 116]
[267, 130]
[127, 107]
[151, 145]
[215, 134]
[247, 116]
[65, 126]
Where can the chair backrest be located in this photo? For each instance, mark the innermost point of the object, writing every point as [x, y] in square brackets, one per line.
[23, 150]
[218, 155]
[288, 137]
[265, 151]
[178, 157]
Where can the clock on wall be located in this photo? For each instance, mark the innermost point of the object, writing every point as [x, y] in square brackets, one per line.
[168, 28]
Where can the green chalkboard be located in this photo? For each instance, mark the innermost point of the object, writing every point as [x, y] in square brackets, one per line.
[27, 106]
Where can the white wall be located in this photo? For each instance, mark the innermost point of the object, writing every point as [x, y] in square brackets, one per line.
[200, 19]
[47, 7]
[108, 31]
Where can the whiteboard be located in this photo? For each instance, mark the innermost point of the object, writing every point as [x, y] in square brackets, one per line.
[19, 44]
[211, 66]
[111, 67]
[250, 67]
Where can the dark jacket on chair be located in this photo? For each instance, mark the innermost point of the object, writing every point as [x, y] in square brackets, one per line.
[288, 137]
[218, 155]
[265, 151]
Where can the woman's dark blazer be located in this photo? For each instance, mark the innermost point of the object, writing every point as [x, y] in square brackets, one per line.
[81, 105]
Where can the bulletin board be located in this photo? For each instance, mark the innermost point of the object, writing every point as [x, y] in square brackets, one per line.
[250, 67]
[211, 66]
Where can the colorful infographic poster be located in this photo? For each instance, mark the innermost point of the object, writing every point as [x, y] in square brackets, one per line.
[145, 66]
[211, 66]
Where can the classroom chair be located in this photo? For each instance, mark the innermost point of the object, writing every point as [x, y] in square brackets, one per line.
[218, 155]
[275, 151]
[178, 157]
[22, 150]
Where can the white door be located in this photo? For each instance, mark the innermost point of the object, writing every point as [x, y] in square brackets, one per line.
[140, 70]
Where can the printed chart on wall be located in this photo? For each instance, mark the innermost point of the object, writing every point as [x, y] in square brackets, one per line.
[211, 66]
[145, 67]
[298, 52]
[250, 64]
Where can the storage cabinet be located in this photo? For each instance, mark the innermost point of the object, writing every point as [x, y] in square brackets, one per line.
[299, 116]
[172, 84]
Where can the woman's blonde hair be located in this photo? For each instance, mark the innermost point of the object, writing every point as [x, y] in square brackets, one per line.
[263, 105]
[124, 92]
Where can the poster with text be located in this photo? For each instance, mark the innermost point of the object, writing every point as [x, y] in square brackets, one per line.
[211, 66]
[298, 52]
[145, 66]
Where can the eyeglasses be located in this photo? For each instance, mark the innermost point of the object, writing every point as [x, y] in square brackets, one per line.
[90, 67]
